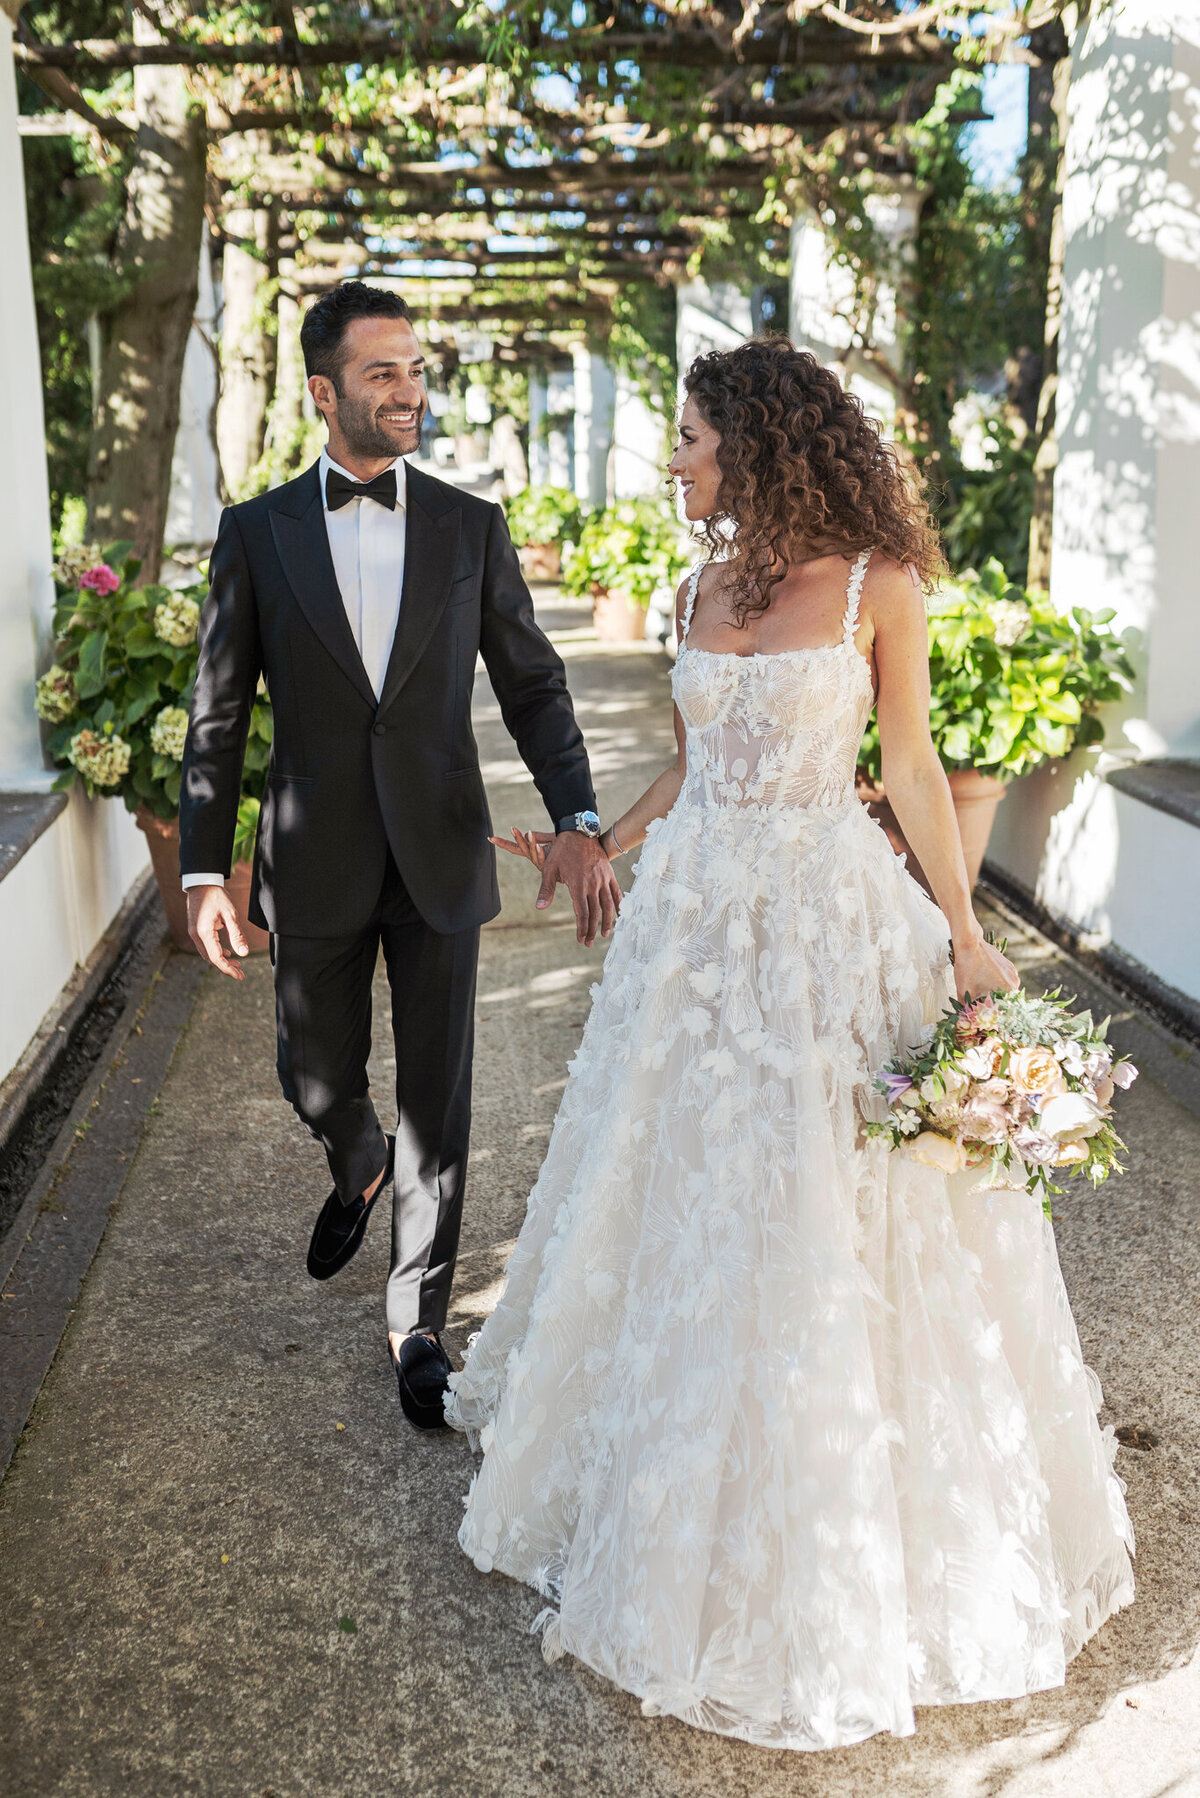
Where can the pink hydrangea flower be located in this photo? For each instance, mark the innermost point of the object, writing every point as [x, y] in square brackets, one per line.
[101, 579]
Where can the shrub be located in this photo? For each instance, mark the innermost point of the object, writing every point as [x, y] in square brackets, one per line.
[1014, 682]
[634, 547]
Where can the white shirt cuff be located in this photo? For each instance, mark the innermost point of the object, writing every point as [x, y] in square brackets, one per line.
[202, 880]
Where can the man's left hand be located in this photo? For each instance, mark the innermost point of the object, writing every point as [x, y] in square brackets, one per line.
[579, 863]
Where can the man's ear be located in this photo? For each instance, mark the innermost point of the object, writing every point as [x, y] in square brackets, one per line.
[323, 393]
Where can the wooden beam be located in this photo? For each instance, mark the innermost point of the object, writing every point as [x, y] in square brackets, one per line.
[774, 46]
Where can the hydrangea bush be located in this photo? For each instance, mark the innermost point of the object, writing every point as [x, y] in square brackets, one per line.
[1013, 682]
[116, 696]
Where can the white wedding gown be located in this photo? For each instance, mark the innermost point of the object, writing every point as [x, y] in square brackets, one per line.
[795, 1432]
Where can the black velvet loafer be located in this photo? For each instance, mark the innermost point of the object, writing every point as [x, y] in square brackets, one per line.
[340, 1228]
[423, 1376]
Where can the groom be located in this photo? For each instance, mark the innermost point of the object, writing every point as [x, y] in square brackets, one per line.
[364, 590]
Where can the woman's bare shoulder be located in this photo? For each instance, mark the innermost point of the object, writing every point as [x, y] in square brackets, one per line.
[892, 591]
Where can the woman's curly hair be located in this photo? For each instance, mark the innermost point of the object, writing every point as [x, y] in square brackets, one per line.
[804, 472]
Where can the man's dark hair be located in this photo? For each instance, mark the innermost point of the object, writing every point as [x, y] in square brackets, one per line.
[324, 327]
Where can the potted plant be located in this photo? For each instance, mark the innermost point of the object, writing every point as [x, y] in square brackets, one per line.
[1014, 683]
[116, 701]
[623, 555]
[540, 521]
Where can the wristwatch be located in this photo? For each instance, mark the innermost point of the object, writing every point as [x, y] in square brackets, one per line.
[585, 822]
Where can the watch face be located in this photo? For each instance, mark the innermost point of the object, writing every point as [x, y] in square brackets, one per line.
[588, 823]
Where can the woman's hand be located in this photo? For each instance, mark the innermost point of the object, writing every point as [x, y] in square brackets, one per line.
[980, 969]
[532, 844]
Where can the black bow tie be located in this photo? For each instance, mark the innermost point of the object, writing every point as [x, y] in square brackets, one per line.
[340, 490]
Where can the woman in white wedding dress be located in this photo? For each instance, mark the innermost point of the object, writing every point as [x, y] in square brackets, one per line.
[794, 1432]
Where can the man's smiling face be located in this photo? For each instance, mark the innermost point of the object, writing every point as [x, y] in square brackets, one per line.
[378, 401]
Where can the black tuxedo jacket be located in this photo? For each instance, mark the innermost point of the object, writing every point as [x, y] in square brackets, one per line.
[351, 774]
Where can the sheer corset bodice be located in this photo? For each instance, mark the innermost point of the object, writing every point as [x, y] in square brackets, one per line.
[774, 730]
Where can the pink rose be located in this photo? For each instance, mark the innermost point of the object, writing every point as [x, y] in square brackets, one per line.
[100, 579]
[1124, 1074]
[986, 1120]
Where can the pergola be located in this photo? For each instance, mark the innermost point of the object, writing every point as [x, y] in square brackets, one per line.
[516, 170]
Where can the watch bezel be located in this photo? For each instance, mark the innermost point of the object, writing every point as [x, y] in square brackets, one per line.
[576, 821]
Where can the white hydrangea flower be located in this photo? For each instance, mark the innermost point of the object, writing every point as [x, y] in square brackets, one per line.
[102, 760]
[56, 698]
[73, 563]
[176, 621]
[1012, 620]
[168, 732]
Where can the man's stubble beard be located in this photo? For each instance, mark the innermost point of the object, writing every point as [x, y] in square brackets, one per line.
[365, 437]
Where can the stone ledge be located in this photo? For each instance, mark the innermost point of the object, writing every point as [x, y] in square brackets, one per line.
[1166, 785]
[23, 818]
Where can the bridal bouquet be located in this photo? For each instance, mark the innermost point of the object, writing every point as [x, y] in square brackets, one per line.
[1016, 1083]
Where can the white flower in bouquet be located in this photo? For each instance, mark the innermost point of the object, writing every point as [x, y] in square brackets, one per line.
[1036, 1070]
[169, 732]
[176, 621]
[981, 1060]
[102, 759]
[933, 1150]
[1068, 1116]
[56, 698]
[1071, 1154]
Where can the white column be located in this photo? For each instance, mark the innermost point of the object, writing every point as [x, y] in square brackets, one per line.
[639, 444]
[26, 593]
[595, 392]
[821, 297]
[194, 507]
[539, 457]
[560, 404]
[709, 318]
[1125, 498]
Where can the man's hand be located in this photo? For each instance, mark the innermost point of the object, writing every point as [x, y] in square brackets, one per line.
[586, 872]
[209, 910]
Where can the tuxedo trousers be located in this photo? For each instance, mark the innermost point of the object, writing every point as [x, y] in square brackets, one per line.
[323, 1018]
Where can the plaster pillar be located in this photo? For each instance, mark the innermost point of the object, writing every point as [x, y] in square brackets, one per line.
[595, 395]
[194, 506]
[821, 298]
[26, 591]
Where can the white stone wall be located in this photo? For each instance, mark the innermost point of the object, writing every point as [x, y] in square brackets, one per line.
[1128, 481]
[62, 895]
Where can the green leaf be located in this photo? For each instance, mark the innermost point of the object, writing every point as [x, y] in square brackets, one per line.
[90, 676]
[63, 782]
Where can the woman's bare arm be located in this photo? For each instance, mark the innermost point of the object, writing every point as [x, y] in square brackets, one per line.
[913, 777]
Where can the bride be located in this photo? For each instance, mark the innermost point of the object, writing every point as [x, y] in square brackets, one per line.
[794, 1432]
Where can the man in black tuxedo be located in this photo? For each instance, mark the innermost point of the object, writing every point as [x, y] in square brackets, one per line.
[363, 591]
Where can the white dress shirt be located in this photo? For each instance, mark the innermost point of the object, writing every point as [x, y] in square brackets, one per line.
[366, 542]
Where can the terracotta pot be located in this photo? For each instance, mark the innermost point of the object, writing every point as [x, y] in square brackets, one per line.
[617, 619]
[162, 839]
[976, 797]
[541, 561]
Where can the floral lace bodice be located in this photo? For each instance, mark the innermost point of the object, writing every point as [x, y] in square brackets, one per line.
[781, 729]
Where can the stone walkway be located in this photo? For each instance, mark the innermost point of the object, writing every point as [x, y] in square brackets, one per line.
[225, 1570]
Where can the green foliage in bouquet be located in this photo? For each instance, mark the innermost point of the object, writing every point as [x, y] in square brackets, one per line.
[1015, 1083]
[1013, 682]
[634, 547]
[118, 692]
[544, 515]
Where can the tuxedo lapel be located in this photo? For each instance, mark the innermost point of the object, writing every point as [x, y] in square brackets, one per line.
[302, 545]
[430, 556]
